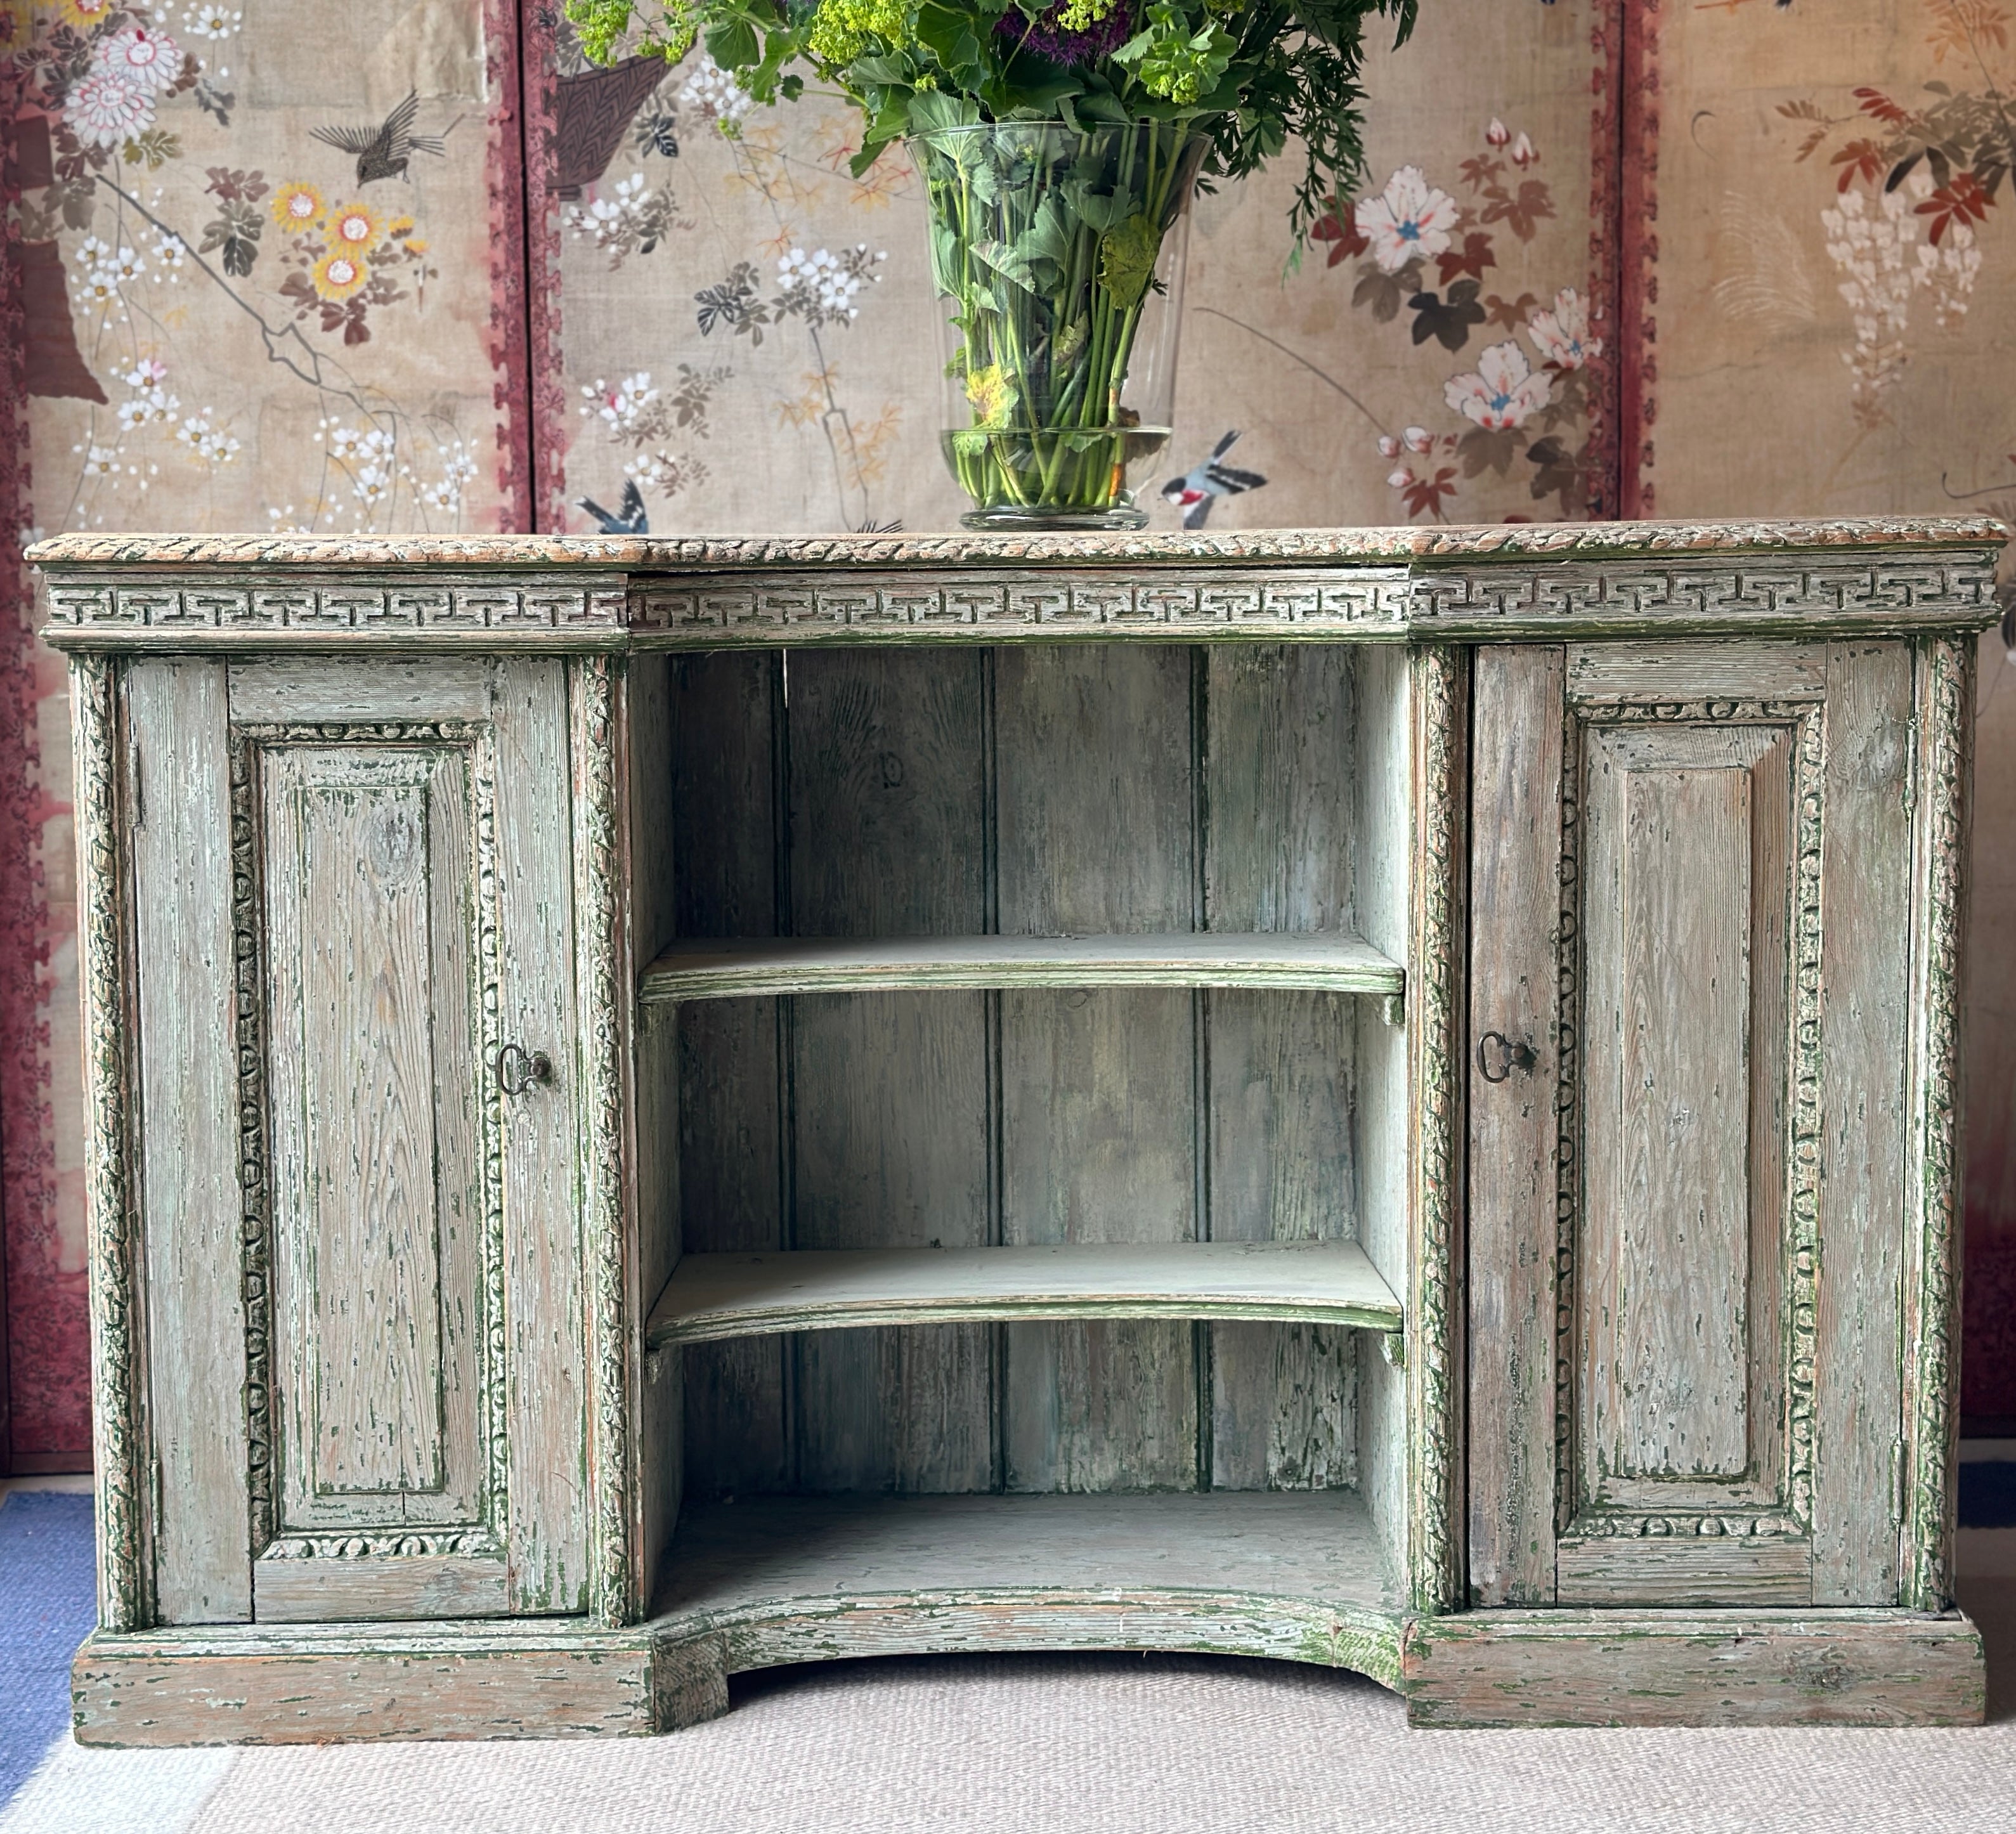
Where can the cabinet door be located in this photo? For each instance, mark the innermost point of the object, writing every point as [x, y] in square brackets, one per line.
[1690, 871]
[352, 886]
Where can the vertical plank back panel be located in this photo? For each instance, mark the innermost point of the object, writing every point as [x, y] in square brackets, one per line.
[1279, 757]
[1516, 917]
[723, 807]
[1866, 894]
[889, 1103]
[176, 730]
[1100, 1088]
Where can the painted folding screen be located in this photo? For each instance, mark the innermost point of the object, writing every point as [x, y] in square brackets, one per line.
[281, 273]
[268, 274]
[1821, 272]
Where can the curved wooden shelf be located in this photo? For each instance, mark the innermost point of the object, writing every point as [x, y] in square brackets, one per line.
[1330, 962]
[1295, 1576]
[714, 1296]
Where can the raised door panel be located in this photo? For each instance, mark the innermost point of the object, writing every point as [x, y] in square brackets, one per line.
[415, 1350]
[1688, 1039]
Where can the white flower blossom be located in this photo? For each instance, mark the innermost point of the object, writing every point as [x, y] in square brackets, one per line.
[458, 472]
[100, 461]
[107, 106]
[1561, 335]
[622, 407]
[1410, 217]
[211, 22]
[1502, 393]
[1418, 439]
[152, 407]
[207, 444]
[715, 93]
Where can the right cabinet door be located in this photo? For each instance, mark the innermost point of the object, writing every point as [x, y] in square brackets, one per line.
[1691, 874]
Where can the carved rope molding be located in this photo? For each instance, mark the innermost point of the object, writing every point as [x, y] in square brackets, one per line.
[1946, 706]
[597, 865]
[1438, 1579]
[270, 1540]
[1574, 1514]
[123, 1587]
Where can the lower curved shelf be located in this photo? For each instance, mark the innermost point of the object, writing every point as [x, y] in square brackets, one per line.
[1294, 1577]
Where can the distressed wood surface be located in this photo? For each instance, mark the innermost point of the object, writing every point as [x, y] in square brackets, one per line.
[723, 807]
[1865, 1018]
[1515, 895]
[1694, 1668]
[306, 1686]
[1685, 1569]
[1676, 864]
[349, 689]
[423, 1586]
[723, 1295]
[1696, 669]
[177, 717]
[890, 1124]
[114, 1247]
[544, 1271]
[1099, 1087]
[376, 1203]
[1437, 1519]
[708, 971]
[1279, 769]
[1944, 698]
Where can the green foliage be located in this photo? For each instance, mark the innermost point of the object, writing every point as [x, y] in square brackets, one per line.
[1247, 74]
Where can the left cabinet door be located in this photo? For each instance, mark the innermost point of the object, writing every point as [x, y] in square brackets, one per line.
[360, 1250]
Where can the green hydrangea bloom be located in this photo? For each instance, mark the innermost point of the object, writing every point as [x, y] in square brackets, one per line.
[1081, 16]
[842, 28]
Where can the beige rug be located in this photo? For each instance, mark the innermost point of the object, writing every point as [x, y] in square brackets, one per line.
[1107, 1744]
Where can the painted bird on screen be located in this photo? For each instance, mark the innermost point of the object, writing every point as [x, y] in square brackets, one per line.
[629, 518]
[383, 152]
[1204, 483]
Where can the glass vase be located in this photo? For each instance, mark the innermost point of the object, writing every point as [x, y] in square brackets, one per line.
[1058, 257]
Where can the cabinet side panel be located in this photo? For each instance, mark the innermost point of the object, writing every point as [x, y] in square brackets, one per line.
[1865, 1015]
[545, 1186]
[1100, 1089]
[177, 720]
[1515, 864]
[723, 812]
[1279, 779]
[889, 1126]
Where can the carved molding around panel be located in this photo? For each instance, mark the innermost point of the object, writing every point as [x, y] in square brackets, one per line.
[267, 1541]
[119, 1453]
[309, 605]
[597, 867]
[1439, 1579]
[1618, 1525]
[1945, 714]
[1792, 1513]
[387, 1544]
[810, 605]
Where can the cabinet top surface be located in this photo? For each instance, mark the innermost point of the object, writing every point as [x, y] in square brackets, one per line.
[1506, 542]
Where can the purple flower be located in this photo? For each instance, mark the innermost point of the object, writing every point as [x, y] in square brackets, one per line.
[1048, 38]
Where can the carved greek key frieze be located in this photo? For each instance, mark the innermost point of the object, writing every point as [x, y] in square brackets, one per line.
[366, 605]
[809, 603]
[1735, 589]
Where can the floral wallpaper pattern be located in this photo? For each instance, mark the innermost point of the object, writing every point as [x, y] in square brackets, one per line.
[401, 266]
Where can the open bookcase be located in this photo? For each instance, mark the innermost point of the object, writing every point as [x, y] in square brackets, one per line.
[1024, 1064]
